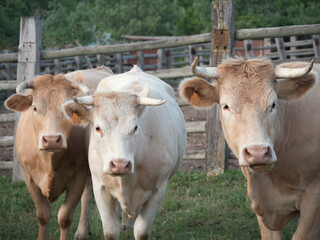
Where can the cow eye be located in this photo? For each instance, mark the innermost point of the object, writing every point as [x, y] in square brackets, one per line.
[273, 106]
[134, 130]
[226, 107]
[98, 129]
[35, 109]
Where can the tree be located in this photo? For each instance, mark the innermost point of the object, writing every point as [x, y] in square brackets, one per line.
[138, 17]
[65, 24]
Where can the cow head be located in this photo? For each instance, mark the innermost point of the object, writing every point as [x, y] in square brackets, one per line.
[115, 127]
[43, 98]
[249, 96]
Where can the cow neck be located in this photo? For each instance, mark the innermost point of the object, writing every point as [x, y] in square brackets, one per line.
[52, 160]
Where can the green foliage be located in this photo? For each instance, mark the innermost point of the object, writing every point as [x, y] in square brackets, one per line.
[66, 23]
[195, 207]
[139, 17]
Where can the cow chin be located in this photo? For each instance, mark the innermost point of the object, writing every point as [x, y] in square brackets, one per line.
[257, 168]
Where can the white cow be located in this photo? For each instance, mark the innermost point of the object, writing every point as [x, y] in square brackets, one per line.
[135, 147]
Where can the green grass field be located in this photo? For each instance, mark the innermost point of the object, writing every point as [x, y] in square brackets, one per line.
[195, 207]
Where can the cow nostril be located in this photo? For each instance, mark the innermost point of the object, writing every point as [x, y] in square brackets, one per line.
[268, 153]
[247, 153]
[59, 139]
[112, 165]
[44, 139]
[128, 166]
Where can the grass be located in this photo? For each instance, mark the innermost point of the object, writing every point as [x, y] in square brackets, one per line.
[195, 207]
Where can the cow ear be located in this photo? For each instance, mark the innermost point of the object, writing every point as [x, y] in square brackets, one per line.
[18, 102]
[291, 89]
[198, 92]
[77, 113]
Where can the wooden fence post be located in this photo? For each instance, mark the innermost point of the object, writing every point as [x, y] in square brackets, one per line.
[119, 63]
[222, 41]
[9, 72]
[161, 58]
[281, 49]
[140, 62]
[316, 45]
[28, 66]
[192, 53]
[248, 48]
[56, 66]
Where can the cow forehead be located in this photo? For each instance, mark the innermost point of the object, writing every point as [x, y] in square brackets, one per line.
[52, 90]
[244, 82]
[114, 104]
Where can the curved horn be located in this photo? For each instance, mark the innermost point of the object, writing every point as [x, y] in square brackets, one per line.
[86, 100]
[81, 87]
[208, 72]
[146, 101]
[24, 85]
[281, 72]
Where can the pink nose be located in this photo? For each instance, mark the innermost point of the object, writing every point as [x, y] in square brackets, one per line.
[257, 154]
[120, 167]
[52, 141]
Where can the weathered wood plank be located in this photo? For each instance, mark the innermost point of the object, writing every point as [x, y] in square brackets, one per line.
[8, 85]
[196, 127]
[9, 117]
[287, 31]
[6, 141]
[6, 165]
[195, 155]
[127, 47]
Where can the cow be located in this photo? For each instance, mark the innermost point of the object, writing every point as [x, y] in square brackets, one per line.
[135, 147]
[270, 117]
[51, 150]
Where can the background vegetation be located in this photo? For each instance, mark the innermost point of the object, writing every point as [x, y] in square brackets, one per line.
[68, 20]
[196, 207]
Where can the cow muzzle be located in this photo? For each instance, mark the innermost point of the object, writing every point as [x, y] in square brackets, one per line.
[120, 167]
[52, 143]
[258, 158]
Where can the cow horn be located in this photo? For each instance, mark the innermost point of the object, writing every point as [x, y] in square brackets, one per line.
[208, 72]
[86, 100]
[81, 87]
[146, 101]
[24, 85]
[281, 72]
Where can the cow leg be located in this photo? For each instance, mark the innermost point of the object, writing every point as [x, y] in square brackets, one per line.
[309, 221]
[267, 234]
[73, 195]
[126, 222]
[42, 206]
[86, 205]
[108, 211]
[144, 221]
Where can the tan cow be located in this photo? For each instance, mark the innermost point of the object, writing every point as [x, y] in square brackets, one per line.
[271, 121]
[51, 150]
[135, 147]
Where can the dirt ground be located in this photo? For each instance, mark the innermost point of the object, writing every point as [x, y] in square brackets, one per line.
[196, 141]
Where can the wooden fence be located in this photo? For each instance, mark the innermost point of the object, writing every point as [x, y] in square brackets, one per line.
[170, 53]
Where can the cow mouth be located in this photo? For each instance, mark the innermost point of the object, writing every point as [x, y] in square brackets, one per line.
[255, 168]
[53, 150]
